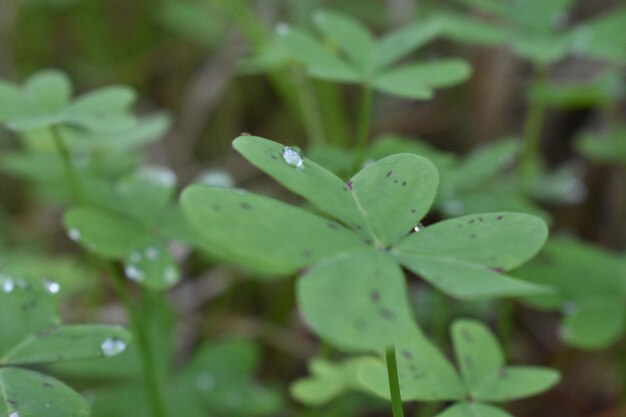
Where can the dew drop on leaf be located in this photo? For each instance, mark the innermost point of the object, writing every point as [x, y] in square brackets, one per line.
[293, 157]
[112, 346]
[133, 273]
[52, 287]
[74, 234]
[7, 284]
[14, 414]
[418, 227]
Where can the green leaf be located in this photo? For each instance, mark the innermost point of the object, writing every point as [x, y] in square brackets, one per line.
[348, 34]
[317, 58]
[514, 382]
[459, 28]
[106, 234]
[423, 372]
[50, 88]
[464, 256]
[12, 102]
[104, 101]
[609, 147]
[473, 409]
[602, 37]
[416, 81]
[263, 233]
[27, 393]
[64, 343]
[478, 352]
[328, 380]
[594, 323]
[24, 310]
[357, 301]
[409, 181]
[312, 182]
[152, 267]
[403, 41]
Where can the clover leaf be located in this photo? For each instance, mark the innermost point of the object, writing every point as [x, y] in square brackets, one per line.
[593, 310]
[359, 58]
[609, 147]
[31, 333]
[44, 101]
[377, 208]
[483, 374]
[130, 227]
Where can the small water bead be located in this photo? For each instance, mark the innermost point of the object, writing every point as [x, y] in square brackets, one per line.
[112, 346]
[418, 227]
[293, 156]
[74, 234]
[152, 253]
[133, 273]
[282, 28]
[216, 178]
[14, 414]
[170, 275]
[52, 287]
[160, 176]
[205, 382]
[7, 284]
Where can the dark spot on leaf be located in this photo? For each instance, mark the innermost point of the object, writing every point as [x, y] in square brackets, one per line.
[395, 181]
[469, 362]
[502, 373]
[368, 242]
[273, 157]
[499, 217]
[215, 207]
[306, 253]
[403, 183]
[496, 269]
[375, 296]
[12, 402]
[467, 336]
[345, 188]
[359, 324]
[245, 205]
[386, 313]
[459, 226]
[47, 385]
[357, 226]
[419, 375]
[480, 219]
[413, 211]
[407, 354]
[332, 225]
[389, 173]
[471, 221]
[473, 235]
[350, 184]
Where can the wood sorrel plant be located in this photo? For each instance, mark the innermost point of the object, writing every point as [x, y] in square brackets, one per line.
[354, 294]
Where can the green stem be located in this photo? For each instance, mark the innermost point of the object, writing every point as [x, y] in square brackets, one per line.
[394, 383]
[152, 382]
[533, 126]
[365, 119]
[310, 106]
[333, 113]
[68, 167]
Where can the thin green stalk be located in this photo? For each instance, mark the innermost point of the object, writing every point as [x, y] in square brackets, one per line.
[152, 382]
[333, 113]
[364, 120]
[310, 106]
[533, 126]
[394, 383]
[68, 167]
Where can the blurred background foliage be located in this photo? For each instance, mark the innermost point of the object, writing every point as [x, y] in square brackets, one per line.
[207, 70]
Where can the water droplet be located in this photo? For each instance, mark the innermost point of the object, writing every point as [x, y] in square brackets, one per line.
[282, 28]
[418, 227]
[570, 308]
[52, 287]
[293, 157]
[152, 253]
[205, 382]
[216, 178]
[7, 284]
[161, 176]
[74, 234]
[133, 273]
[112, 346]
[14, 414]
[170, 275]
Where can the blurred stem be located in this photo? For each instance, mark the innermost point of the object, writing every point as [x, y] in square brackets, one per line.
[394, 383]
[333, 113]
[68, 167]
[533, 126]
[440, 317]
[310, 106]
[152, 383]
[505, 322]
[364, 120]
